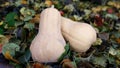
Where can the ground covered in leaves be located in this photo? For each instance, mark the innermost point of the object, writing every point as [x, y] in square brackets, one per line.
[19, 21]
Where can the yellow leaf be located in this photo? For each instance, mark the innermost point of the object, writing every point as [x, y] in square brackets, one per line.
[22, 10]
[1, 22]
[7, 3]
[23, 1]
[117, 62]
[38, 65]
[48, 3]
[9, 57]
[96, 9]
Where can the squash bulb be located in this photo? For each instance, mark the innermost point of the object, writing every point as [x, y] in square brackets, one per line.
[80, 35]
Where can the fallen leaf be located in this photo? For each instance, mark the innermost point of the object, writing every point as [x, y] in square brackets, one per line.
[23, 1]
[104, 36]
[118, 40]
[1, 48]
[38, 65]
[97, 42]
[98, 20]
[36, 19]
[101, 60]
[112, 51]
[3, 39]
[68, 65]
[65, 60]
[10, 48]
[9, 57]
[1, 23]
[48, 3]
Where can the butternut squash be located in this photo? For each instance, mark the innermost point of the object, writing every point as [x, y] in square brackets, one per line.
[49, 43]
[79, 35]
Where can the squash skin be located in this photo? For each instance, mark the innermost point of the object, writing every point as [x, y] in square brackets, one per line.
[49, 43]
[80, 35]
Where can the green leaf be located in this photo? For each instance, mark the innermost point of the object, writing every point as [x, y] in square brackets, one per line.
[116, 34]
[111, 59]
[101, 61]
[17, 3]
[118, 54]
[10, 47]
[112, 16]
[67, 48]
[27, 18]
[112, 51]
[15, 65]
[74, 64]
[29, 26]
[10, 18]
[1, 31]
[3, 39]
[25, 57]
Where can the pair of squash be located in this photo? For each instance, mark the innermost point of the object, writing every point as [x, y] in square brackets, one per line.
[49, 43]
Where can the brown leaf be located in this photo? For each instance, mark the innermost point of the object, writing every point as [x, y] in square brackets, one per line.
[104, 36]
[65, 60]
[118, 40]
[8, 36]
[48, 3]
[38, 65]
[68, 65]
[23, 1]
[1, 48]
[36, 19]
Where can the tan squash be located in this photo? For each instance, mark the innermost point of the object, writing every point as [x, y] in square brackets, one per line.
[49, 43]
[80, 35]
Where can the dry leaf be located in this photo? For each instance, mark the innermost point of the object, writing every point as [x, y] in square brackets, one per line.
[36, 19]
[38, 65]
[118, 40]
[65, 60]
[1, 48]
[48, 3]
[9, 57]
[68, 65]
[23, 1]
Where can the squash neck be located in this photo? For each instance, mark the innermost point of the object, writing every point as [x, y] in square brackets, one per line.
[66, 25]
[49, 28]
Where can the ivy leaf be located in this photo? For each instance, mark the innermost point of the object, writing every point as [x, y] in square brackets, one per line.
[11, 48]
[1, 31]
[69, 7]
[110, 59]
[116, 34]
[104, 36]
[3, 39]
[27, 18]
[25, 57]
[101, 61]
[112, 16]
[67, 48]
[117, 26]
[29, 26]
[112, 51]
[10, 18]
[118, 54]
